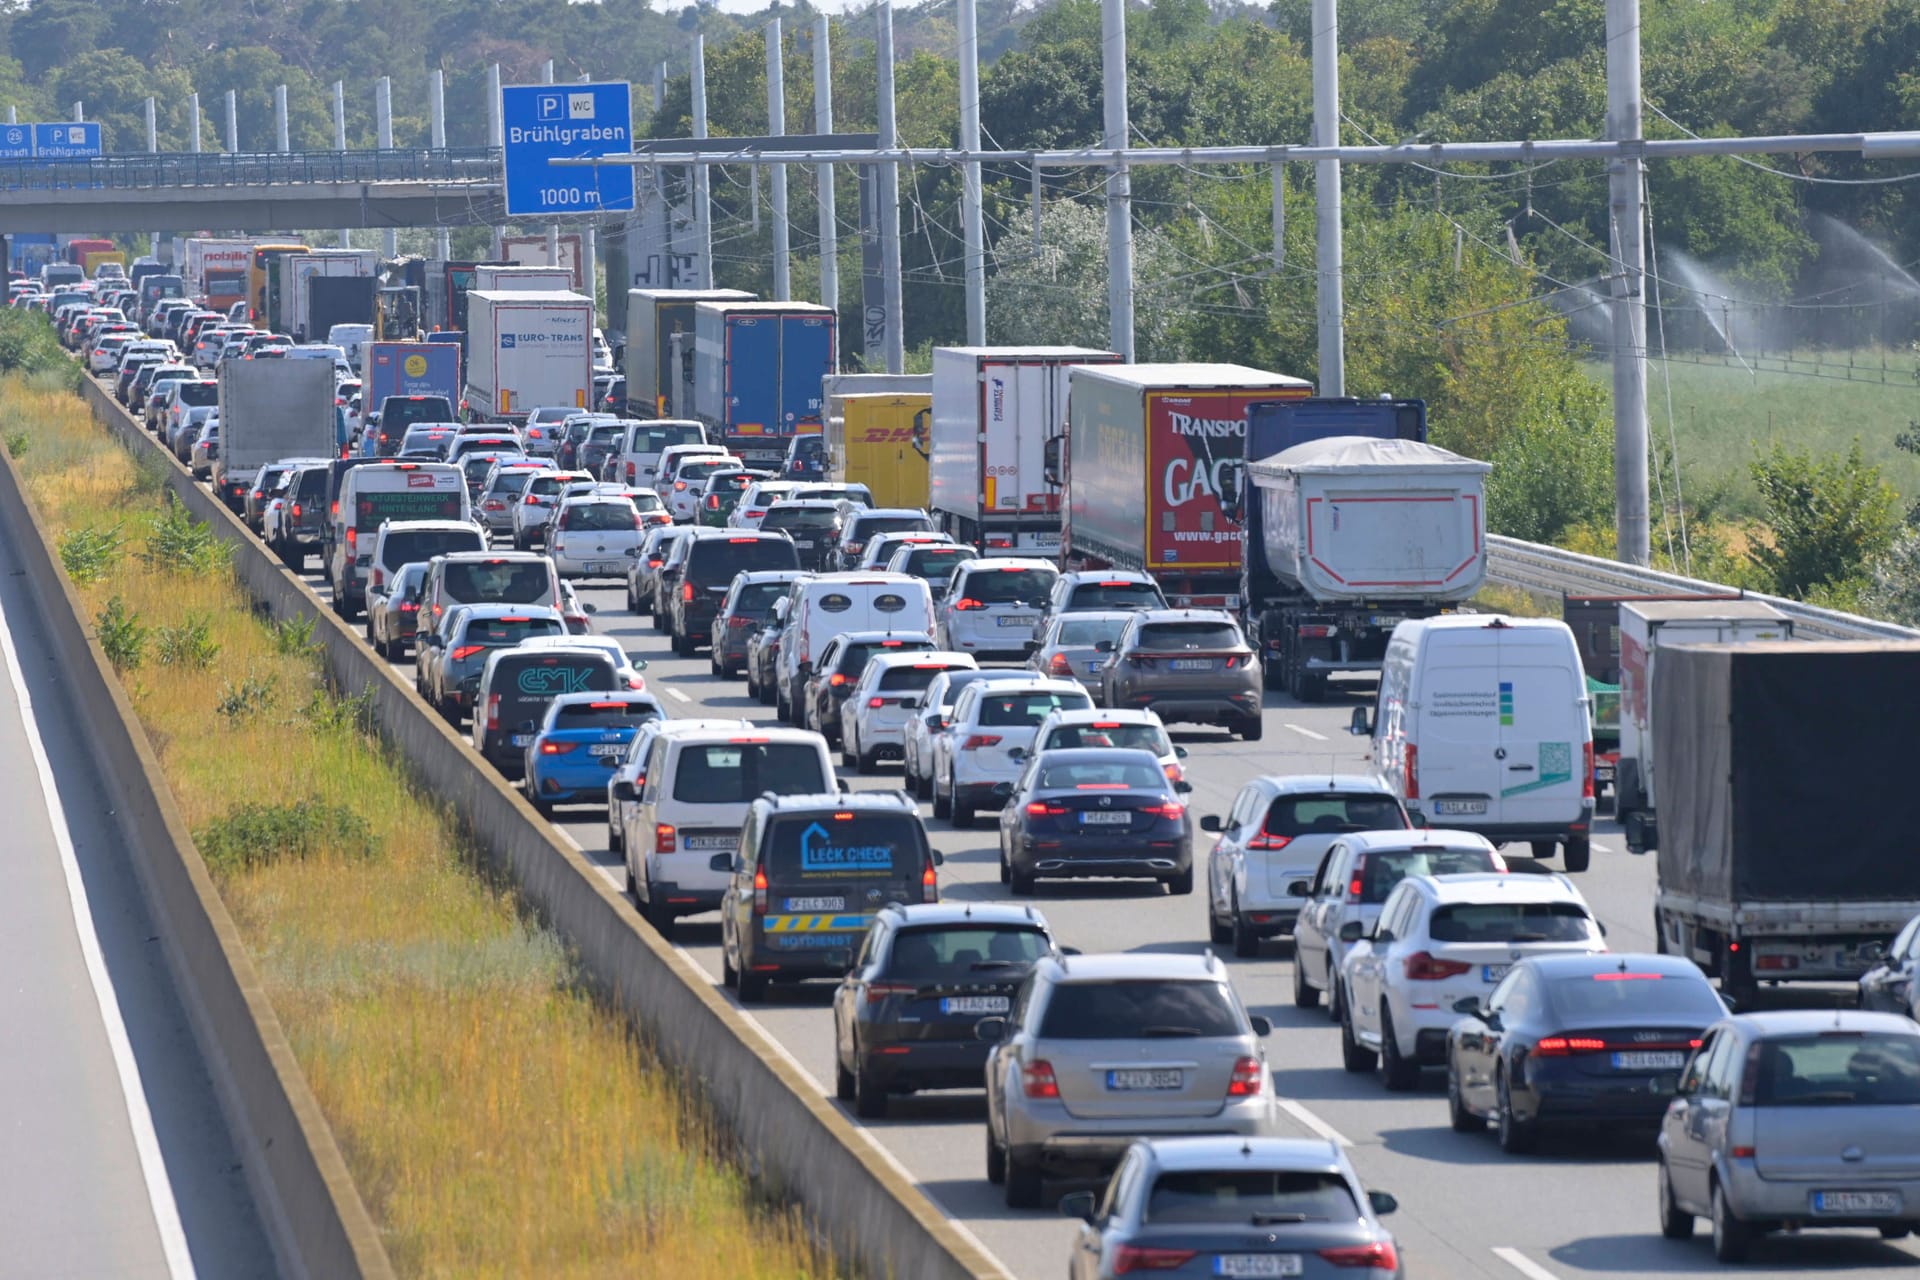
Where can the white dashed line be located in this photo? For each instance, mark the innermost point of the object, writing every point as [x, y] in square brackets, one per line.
[1305, 732]
[1523, 1264]
[1314, 1122]
[675, 693]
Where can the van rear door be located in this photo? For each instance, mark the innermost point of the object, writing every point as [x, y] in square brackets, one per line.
[1457, 732]
[1543, 728]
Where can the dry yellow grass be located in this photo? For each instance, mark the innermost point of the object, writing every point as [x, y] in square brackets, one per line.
[497, 1120]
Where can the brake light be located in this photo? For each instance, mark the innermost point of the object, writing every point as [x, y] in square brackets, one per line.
[1413, 772]
[1741, 1153]
[631, 476]
[407, 606]
[532, 500]
[1245, 1081]
[296, 511]
[879, 991]
[1267, 840]
[1132, 1257]
[1058, 665]
[261, 493]
[466, 651]
[686, 593]
[980, 740]
[1424, 967]
[1036, 1080]
[836, 680]
[968, 603]
[760, 891]
[1562, 1046]
[1586, 771]
[1172, 809]
[557, 748]
[353, 538]
[876, 703]
[1041, 809]
[664, 838]
[929, 885]
[679, 486]
[493, 713]
[713, 502]
[1379, 1255]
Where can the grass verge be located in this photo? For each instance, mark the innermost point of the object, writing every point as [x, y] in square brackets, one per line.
[496, 1119]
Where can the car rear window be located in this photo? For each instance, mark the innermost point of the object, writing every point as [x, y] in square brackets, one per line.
[1511, 922]
[865, 527]
[1382, 871]
[736, 482]
[511, 479]
[1136, 737]
[608, 435]
[756, 598]
[1333, 814]
[695, 470]
[1250, 1197]
[1027, 708]
[849, 843]
[1178, 636]
[600, 516]
[396, 413]
[1115, 595]
[1839, 1069]
[1624, 995]
[1148, 1009]
[1089, 631]
[782, 517]
[604, 715]
[1008, 586]
[498, 633]
[1102, 775]
[961, 951]
[736, 772]
[910, 678]
[198, 395]
[499, 582]
[927, 562]
[403, 546]
[853, 659]
[712, 561]
[476, 465]
[658, 439]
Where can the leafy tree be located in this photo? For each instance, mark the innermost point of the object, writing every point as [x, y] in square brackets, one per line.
[1830, 518]
[1058, 296]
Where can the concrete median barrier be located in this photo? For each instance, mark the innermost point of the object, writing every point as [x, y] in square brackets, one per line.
[791, 1137]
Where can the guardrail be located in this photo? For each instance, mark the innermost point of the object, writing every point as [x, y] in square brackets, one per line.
[151, 170]
[1534, 567]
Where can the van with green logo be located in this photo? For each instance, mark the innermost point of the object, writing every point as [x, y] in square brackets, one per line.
[1482, 723]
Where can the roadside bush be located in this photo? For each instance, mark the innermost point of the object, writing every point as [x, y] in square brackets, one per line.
[259, 835]
[28, 345]
[180, 543]
[89, 552]
[1830, 519]
[121, 636]
[18, 442]
[249, 697]
[189, 643]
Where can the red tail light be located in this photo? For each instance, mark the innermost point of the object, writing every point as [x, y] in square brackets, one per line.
[679, 486]
[493, 713]
[879, 991]
[876, 703]
[1041, 809]
[1267, 840]
[836, 680]
[1380, 1256]
[739, 622]
[1129, 1258]
[1586, 771]
[760, 891]
[296, 511]
[1058, 665]
[466, 651]
[1562, 1046]
[1245, 1081]
[981, 740]
[1171, 809]
[407, 606]
[1036, 1080]
[1413, 772]
[929, 885]
[557, 748]
[1422, 967]
[967, 603]
[532, 501]
[353, 539]
[686, 591]
[632, 475]
[261, 493]
[713, 502]
[664, 839]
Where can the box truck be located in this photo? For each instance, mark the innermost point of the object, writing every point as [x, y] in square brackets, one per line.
[879, 441]
[290, 280]
[501, 278]
[757, 368]
[526, 351]
[269, 410]
[216, 271]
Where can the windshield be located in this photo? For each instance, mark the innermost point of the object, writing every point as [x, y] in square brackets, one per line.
[1250, 1197]
[1621, 995]
[783, 517]
[1512, 922]
[1106, 733]
[1008, 586]
[1333, 813]
[887, 846]
[402, 546]
[198, 395]
[1115, 595]
[604, 715]
[497, 633]
[1130, 1010]
[736, 772]
[499, 581]
[957, 952]
[1839, 1069]
[599, 516]
[1385, 870]
[1101, 775]
[1027, 709]
[1180, 636]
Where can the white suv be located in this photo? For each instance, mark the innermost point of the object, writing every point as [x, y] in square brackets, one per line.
[1441, 940]
[992, 728]
[874, 717]
[629, 777]
[992, 604]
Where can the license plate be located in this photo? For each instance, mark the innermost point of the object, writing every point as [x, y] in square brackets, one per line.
[1257, 1264]
[1193, 664]
[1095, 668]
[522, 739]
[1494, 972]
[727, 843]
[1603, 773]
[1459, 806]
[1023, 620]
[974, 1004]
[1387, 620]
[804, 543]
[1106, 818]
[603, 566]
[1857, 1202]
[607, 749]
[1165, 1078]
[815, 904]
[1649, 1061]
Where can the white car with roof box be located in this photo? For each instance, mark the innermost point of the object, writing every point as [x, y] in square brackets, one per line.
[991, 605]
[874, 718]
[832, 604]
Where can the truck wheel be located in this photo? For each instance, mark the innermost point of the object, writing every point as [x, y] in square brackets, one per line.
[1577, 853]
[1270, 676]
[1312, 688]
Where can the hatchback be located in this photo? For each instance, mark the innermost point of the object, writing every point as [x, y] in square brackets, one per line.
[1100, 590]
[935, 561]
[1189, 665]
[448, 661]
[808, 523]
[1069, 647]
[530, 512]
[856, 525]
[874, 717]
[580, 742]
[991, 720]
[516, 687]
[831, 681]
[929, 721]
[745, 609]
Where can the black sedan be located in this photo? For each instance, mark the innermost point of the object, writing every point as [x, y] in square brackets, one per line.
[1576, 1039]
[1095, 812]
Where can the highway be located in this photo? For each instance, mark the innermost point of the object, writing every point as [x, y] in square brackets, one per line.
[1581, 1208]
[114, 1157]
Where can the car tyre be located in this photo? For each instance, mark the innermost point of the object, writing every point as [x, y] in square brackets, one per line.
[1731, 1237]
[1217, 933]
[751, 988]
[845, 1087]
[1180, 883]
[657, 914]
[1675, 1223]
[1336, 1004]
[1246, 943]
[616, 843]
[1402, 1073]
[1462, 1120]
[962, 813]
[1025, 1186]
[869, 1099]
[1517, 1137]
[729, 976]
[1019, 881]
[996, 1158]
[942, 804]
[1304, 995]
[1251, 729]
[1541, 849]
[1895, 1231]
[1577, 853]
[1354, 1056]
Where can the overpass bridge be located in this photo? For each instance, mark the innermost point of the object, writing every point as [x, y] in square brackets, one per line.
[255, 192]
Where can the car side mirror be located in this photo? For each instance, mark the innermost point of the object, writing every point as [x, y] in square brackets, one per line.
[1468, 1006]
[589, 607]
[843, 785]
[1380, 937]
[1179, 753]
[1261, 1024]
[1069, 951]
[433, 640]
[1299, 888]
[1032, 647]
[720, 862]
[1873, 952]
[1352, 931]
[1077, 1204]
[1211, 823]
[1016, 753]
[1362, 724]
[635, 661]
[939, 858]
[990, 1029]
[1382, 1203]
[626, 792]
[1103, 646]
[1183, 787]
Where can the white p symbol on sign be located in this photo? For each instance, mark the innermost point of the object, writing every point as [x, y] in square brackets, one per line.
[552, 106]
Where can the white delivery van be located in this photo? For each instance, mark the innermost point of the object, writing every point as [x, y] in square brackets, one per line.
[1482, 724]
[372, 494]
[833, 604]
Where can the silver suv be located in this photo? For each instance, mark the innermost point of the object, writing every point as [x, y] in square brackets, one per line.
[1100, 1050]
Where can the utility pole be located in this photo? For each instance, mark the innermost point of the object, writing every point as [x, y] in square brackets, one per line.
[1630, 515]
[777, 125]
[496, 138]
[823, 123]
[233, 123]
[893, 343]
[340, 139]
[702, 213]
[437, 126]
[553, 228]
[280, 140]
[1113, 62]
[383, 126]
[1328, 252]
[193, 122]
[973, 230]
[153, 148]
[79, 112]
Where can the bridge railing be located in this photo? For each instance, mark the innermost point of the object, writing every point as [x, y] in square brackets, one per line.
[148, 170]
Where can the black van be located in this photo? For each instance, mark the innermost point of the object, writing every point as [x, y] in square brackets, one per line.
[809, 877]
[515, 690]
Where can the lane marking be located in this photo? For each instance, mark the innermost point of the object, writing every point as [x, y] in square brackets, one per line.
[146, 1143]
[1523, 1264]
[675, 693]
[1314, 1122]
[1305, 732]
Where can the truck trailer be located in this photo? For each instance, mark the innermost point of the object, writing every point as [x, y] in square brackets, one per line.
[874, 440]
[269, 410]
[757, 368]
[654, 316]
[526, 351]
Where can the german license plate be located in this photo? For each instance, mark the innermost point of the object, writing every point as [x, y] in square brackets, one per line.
[1459, 806]
[805, 544]
[1848, 1203]
[1256, 1264]
[1603, 773]
[1494, 972]
[1387, 620]
[522, 739]
[720, 843]
[1649, 1060]
[974, 1004]
[607, 749]
[1106, 818]
[815, 904]
[603, 566]
[1142, 1078]
[1193, 664]
[1096, 667]
[1019, 620]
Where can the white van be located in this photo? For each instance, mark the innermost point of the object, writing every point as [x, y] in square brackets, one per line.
[634, 462]
[833, 604]
[1482, 724]
[372, 494]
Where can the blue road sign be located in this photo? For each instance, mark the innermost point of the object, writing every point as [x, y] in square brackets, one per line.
[77, 141]
[543, 122]
[16, 141]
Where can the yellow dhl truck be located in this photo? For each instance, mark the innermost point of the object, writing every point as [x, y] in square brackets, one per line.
[880, 440]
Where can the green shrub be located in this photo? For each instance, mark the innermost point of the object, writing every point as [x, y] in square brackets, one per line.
[187, 644]
[121, 636]
[249, 697]
[179, 543]
[293, 637]
[258, 835]
[88, 553]
[28, 345]
[18, 442]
